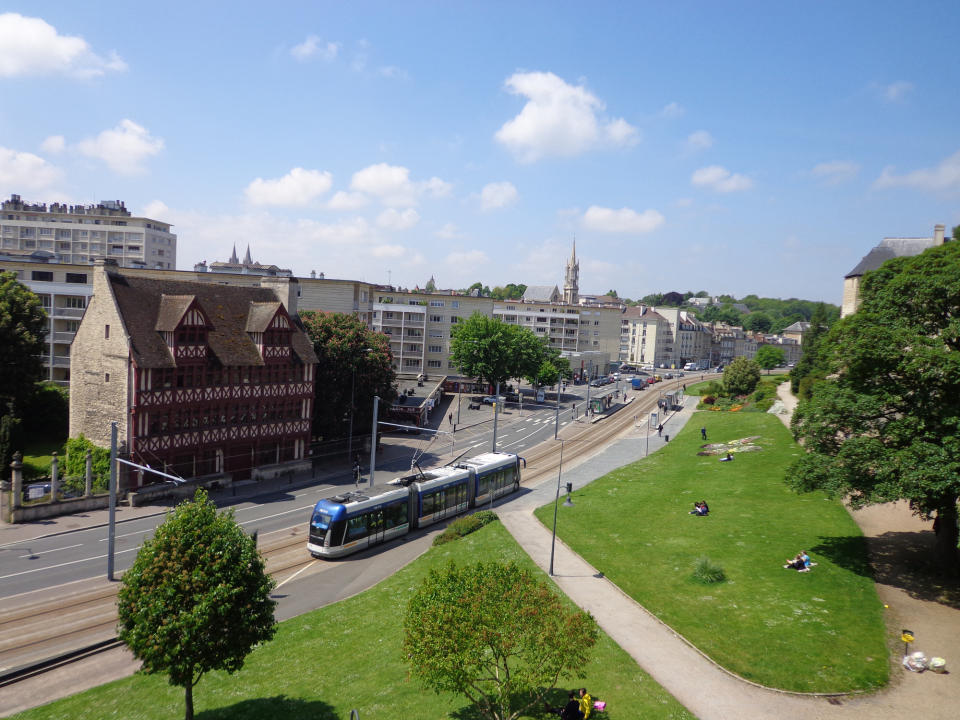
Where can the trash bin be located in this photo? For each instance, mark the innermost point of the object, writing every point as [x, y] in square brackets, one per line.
[666, 438]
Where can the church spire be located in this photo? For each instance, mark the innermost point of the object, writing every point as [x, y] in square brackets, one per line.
[571, 281]
[246, 258]
[233, 256]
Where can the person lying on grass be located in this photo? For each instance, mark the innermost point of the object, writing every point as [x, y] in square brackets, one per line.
[700, 508]
[801, 563]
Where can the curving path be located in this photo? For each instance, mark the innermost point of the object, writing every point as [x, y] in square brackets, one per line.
[707, 690]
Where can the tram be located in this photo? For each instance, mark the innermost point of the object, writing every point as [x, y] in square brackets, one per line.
[352, 521]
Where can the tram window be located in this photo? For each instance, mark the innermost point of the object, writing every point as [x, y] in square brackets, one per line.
[483, 485]
[356, 528]
[320, 522]
[375, 522]
[429, 504]
[461, 494]
[395, 515]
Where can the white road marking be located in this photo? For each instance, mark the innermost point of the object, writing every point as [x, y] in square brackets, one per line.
[44, 552]
[280, 585]
[72, 562]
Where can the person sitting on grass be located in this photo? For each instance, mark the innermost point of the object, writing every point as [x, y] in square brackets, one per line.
[728, 458]
[700, 508]
[801, 563]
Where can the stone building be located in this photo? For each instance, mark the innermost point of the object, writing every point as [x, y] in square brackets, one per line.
[201, 378]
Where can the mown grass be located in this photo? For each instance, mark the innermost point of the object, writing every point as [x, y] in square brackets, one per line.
[38, 453]
[820, 631]
[327, 662]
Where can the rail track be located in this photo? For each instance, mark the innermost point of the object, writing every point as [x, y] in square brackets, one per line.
[33, 634]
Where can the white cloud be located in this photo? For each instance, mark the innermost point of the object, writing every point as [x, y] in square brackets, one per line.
[498, 195]
[720, 179]
[448, 232]
[31, 46]
[895, 92]
[394, 73]
[342, 200]
[297, 188]
[124, 148]
[388, 251]
[673, 110]
[466, 259]
[836, 172]
[26, 171]
[699, 140]
[945, 176]
[54, 144]
[683, 202]
[393, 219]
[559, 119]
[623, 220]
[392, 185]
[156, 209]
[314, 47]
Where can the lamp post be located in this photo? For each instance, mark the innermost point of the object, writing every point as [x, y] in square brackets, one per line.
[567, 503]
[556, 424]
[353, 383]
[496, 411]
[373, 443]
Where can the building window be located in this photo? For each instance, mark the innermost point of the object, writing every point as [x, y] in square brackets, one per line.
[436, 303]
[106, 377]
[435, 348]
[80, 278]
[434, 364]
[41, 276]
[436, 318]
[455, 304]
[106, 332]
[454, 319]
[72, 301]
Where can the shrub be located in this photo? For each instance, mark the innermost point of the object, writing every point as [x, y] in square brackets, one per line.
[709, 400]
[706, 571]
[76, 461]
[464, 526]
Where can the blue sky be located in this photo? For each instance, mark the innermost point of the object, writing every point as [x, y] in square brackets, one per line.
[731, 147]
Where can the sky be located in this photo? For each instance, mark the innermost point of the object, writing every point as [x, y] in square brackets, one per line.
[734, 147]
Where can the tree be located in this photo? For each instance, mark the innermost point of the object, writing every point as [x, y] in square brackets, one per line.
[758, 322]
[550, 370]
[883, 423]
[23, 327]
[350, 356]
[613, 294]
[741, 376]
[490, 349]
[197, 597]
[810, 364]
[495, 634]
[769, 356]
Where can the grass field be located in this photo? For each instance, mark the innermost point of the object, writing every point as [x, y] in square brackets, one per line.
[820, 631]
[323, 664]
[38, 452]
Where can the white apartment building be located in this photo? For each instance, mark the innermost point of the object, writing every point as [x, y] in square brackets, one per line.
[77, 234]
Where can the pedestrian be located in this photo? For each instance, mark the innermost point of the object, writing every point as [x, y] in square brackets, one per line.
[450, 418]
[703, 433]
[586, 703]
[660, 430]
[356, 473]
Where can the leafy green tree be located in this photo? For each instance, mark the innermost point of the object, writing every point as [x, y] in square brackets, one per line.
[769, 356]
[741, 376]
[550, 370]
[23, 327]
[495, 351]
[47, 412]
[758, 322]
[883, 424]
[350, 355]
[811, 364]
[494, 634]
[76, 461]
[197, 597]
[11, 437]
[652, 299]
[613, 294]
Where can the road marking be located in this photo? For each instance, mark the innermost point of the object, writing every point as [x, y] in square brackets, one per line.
[138, 532]
[72, 562]
[280, 585]
[44, 552]
[286, 512]
[522, 439]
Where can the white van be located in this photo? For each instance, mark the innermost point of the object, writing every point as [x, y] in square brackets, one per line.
[690, 366]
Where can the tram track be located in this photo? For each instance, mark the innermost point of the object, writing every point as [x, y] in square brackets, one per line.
[31, 633]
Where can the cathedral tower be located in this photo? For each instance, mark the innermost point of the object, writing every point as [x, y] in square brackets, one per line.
[571, 281]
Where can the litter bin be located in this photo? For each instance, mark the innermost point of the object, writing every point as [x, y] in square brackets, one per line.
[666, 438]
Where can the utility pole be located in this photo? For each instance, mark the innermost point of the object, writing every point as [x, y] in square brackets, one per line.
[373, 443]
[556, 422]
[112, 515]
[496, 411]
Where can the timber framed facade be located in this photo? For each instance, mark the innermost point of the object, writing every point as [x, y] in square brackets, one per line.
[211, 379]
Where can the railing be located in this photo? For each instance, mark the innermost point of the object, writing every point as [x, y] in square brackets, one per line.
[65, 312]
[60, 361]
[64, 337]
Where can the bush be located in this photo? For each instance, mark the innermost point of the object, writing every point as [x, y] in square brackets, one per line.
[10, 439]
[706, 571]
[76, 485]
[464, 526]
[709, 400]
[47, 412]
[76, 460]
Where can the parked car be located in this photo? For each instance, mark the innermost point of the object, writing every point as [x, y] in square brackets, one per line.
[598, 382]
[491, 399]
[668, 376]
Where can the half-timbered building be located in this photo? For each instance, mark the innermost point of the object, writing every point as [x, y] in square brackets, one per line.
[202, 378]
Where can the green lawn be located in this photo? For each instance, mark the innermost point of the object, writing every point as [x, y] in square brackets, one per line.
[818, 631]
[38, 452]
[323, 664]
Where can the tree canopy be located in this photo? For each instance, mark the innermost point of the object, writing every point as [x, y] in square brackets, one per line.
[811, 367]
[884, 422]
[769, 356]
[741, 376]
[495, 634]
[495, 351]
[350, 355]
[197, 597]
[23, 328]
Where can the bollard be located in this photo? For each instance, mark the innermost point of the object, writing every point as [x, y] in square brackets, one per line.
[666, 438]
[88, 475]
[54, 477]
[16, 474]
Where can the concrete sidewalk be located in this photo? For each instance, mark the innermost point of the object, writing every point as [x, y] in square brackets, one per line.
[704, 688]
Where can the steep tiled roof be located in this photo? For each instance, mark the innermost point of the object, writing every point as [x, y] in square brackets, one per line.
[172, 308]
[540, 293]
[261, 314]
[890, 248]
[141, 303]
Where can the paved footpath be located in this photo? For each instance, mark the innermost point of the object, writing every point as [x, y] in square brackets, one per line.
[708, 691]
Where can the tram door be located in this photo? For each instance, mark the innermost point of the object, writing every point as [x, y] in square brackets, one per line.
[375, 527]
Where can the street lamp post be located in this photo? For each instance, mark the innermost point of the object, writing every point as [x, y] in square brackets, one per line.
[353, 382]
[496, 411]
[556, 424]
[373, 443]
[567, 503]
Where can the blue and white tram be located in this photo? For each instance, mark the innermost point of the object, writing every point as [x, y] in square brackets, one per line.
[355, 520]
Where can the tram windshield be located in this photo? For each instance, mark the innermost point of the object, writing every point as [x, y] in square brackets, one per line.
[320, 522]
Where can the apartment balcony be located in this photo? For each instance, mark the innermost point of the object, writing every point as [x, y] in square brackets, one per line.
[61, 361]
[64, 338]
[64, 312]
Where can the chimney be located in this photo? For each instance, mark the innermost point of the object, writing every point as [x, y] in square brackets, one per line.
[938, 234]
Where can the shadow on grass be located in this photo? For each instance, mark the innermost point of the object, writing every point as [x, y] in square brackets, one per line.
[271, 708]
[555, 698]
[902, 560]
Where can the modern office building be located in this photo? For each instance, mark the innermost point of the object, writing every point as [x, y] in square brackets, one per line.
[78, 234]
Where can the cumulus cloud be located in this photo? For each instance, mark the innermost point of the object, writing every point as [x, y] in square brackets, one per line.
[559, 119]
[699, 140]
[54, 144]
[391, 184]
[466, 258]
[836, 172]
[448, 232]
[393, 219]
[31, 46]
[673, 110]
[624, 220]
[23, 170]
[896, 91]
[718, 178]
[156, 209]
[343, 200]
[945, 176]
[297, 188]
[314, 47]
[124, 148]
[388, 251]
[498, 195]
